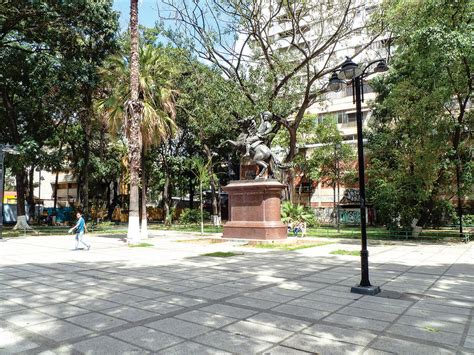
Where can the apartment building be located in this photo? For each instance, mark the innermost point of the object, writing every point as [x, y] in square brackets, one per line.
[359, 44]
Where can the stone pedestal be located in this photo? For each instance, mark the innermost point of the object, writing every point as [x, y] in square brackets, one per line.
[254, 210]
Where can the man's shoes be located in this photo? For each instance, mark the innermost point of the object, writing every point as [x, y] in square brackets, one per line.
[88, 247]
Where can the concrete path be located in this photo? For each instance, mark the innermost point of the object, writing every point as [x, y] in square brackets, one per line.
[168, 299]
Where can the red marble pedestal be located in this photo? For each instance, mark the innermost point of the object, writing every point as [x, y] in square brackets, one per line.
[254, 210]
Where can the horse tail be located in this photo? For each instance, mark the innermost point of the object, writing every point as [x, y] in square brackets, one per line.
[279, 164]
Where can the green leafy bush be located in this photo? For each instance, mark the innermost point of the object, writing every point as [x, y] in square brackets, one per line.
[292, 213]
[193, 216]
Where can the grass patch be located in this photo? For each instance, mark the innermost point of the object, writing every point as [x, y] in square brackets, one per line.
[287, 247]
[345, 252]
[141, 245]
[221, 254]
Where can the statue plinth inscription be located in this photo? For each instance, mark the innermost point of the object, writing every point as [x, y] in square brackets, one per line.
[254, 210]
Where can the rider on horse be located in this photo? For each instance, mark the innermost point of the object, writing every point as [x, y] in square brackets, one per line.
[255, 136]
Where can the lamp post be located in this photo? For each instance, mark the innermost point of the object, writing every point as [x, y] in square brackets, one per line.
[351, 71]
[4, 149]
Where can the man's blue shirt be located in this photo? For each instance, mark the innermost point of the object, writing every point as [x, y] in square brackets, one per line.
[81, 225]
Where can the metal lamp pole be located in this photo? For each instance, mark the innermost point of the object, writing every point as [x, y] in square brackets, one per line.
[351, 71]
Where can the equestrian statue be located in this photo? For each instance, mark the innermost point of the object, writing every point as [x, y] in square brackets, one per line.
[251, 142]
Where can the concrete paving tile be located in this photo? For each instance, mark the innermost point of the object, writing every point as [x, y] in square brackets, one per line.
[147, 338]
[106, 345]
[228, 311]
[469, 342]
[124, 298]
[408, 347]
[283, 350]
[11, 343]
[367, 313]
[253, 302]
[61, 310]
[324, 298]
[233, 343]
[434, 324]
[309, 313]
[375, 306]
[179, 327]
[207, 319]
[129, 313]
[433, 315]
[58, 330]
[212, 295]
[377, 352]
[12, 292]
[96, 321]
[26, 318]
[426, 333]
[8, 306]
[64, 349]
[258, 331]
[340, 334]
[174, 287]
[189, 347]
[267, 295]
[145, 293]
[93, 304]
[441, 308]
[363, 323]
[279, 322]
[181, 300]
[321, 345]
[323, 306]
[157, 307]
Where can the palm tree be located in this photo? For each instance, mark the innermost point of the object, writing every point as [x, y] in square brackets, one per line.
[157, 113]
[134, 109]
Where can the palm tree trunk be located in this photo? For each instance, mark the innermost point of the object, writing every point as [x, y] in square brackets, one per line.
[134, 111]
[144, 215]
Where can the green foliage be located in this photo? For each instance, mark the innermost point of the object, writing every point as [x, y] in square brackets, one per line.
[140, 245]
[293, 213]
[419, 142]
[193, 216]
[345, 252]
[221, 254]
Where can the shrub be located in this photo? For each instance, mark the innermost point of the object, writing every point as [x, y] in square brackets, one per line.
[193, 216]
[291, 213]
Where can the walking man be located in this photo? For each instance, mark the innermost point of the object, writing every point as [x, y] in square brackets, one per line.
[80, 228]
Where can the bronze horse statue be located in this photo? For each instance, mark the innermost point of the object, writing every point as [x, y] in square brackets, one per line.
[260, 153]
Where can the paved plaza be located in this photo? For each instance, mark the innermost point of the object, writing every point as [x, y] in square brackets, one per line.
[169, 299]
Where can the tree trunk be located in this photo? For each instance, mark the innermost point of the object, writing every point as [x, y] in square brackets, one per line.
[85, 176]
[191, 192]
[31, 193]
[21, 222]
[134, 112]
[144, 214]
[166, 198]
[201, 205]
[56, 180]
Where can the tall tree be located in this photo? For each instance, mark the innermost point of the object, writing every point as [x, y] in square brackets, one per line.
[156, 80]
[421, 140]
[43, 61]
[279, 71]
[134, 110]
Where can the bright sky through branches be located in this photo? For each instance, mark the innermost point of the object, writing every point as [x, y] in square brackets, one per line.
[147, 12]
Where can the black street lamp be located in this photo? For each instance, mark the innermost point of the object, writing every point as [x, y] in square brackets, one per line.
[4, 149]
[351, 71]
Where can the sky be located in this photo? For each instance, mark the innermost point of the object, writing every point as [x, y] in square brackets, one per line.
[147, 12]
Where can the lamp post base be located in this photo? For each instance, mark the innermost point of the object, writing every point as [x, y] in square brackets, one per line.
[366, 290]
